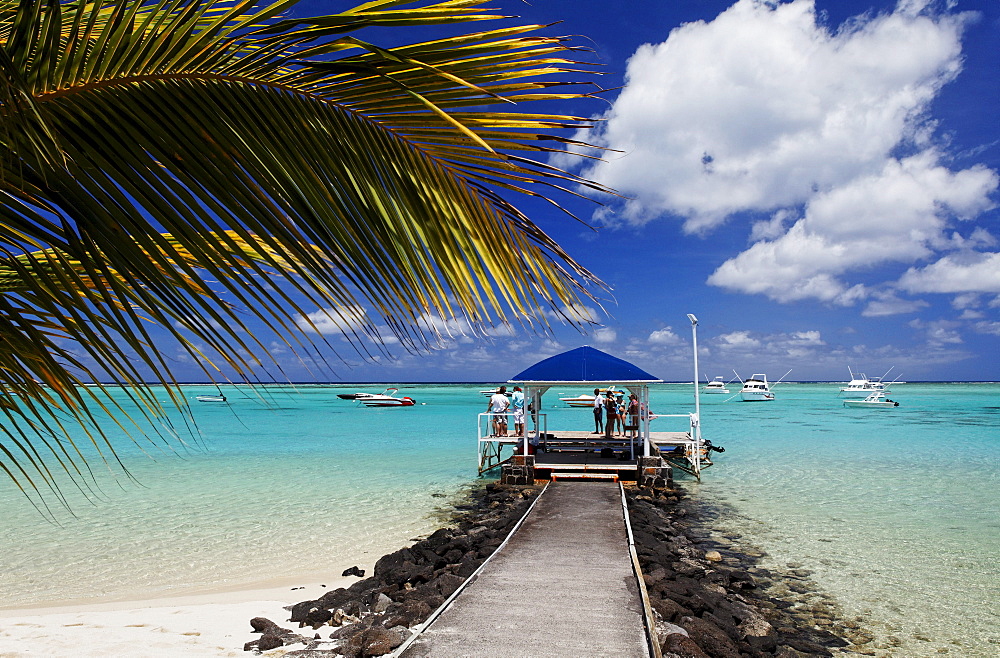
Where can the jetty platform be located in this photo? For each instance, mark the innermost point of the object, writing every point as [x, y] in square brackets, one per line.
[564, 584]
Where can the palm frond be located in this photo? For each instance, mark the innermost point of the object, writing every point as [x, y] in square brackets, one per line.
[203, 166]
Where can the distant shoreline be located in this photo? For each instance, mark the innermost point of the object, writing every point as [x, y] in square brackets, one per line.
[492, 383]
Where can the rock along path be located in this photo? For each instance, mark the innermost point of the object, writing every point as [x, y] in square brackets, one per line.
[562, 586]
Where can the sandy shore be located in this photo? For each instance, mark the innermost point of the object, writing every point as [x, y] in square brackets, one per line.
[212, 624]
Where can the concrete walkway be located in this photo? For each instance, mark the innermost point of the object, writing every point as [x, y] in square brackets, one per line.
[562, 586]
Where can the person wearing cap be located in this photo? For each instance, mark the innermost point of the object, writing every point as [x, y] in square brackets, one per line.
[517, 406]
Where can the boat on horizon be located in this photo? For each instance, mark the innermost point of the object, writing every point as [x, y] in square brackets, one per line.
[387, 399]
[354, 396]
[208, 397]
[861, 386]
[716, 386]
[756, 388]
[587, 399]
[876, 400]
[492, 391]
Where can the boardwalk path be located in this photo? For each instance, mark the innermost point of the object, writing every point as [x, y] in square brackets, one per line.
[562, 586]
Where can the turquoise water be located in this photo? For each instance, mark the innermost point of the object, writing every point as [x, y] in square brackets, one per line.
[894, 511]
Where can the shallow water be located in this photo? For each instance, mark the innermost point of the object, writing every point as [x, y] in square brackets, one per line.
[894, 511]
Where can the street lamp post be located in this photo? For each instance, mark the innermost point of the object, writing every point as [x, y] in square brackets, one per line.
[694, 339]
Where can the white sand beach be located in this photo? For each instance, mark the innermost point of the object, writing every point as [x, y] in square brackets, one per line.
[211, 624]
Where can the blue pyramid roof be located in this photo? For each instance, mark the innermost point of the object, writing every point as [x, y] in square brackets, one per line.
[584, 364]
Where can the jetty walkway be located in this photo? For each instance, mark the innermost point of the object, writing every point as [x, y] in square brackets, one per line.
[562, 586]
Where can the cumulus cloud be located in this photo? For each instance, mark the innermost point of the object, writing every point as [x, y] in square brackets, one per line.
[346, 319]
[987, 328]
[605, 335]
[939, 332]
[888, 303]
[665, 336]
[579, 313]
[766, 110]
[899, 214]
[956, 273]
[761, 106]
[737, 339]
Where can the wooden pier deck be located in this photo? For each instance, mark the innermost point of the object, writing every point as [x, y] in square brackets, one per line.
[562, 586]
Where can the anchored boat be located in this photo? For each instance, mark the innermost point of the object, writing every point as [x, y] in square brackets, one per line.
[354, 396]
[861, 386]
[387, 399]
[586, 400]
[876, 400]
[756, 389]
[219, 397]
[717, 385]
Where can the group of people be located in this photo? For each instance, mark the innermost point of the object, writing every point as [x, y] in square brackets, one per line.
[500, 404]
[617, 411]
[612, 406]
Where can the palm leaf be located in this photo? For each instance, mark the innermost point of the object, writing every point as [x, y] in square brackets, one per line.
[198, 167]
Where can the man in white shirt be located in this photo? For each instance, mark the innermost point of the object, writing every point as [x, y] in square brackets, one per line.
[598, 411]
[498, 408]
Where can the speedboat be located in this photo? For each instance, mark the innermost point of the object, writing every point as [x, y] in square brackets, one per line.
[861, 386]
[756, 389]
[491, 392]
[579, 401]
[876, 400]
[209, 397]
[585, 400]
[717, 385]
[354, 396]
[387, 399]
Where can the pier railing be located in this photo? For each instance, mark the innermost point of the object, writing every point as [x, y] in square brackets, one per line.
[685, 450]
[491, 445]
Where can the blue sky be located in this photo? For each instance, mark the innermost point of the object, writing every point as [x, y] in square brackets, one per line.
[816, 181]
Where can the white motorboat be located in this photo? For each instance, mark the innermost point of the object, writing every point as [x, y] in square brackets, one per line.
[717, 385]
[210, 397]
[354, 396]
[490, 392]
[756, 389]
[876, 400]
[861, 386]
[585, 400]
[387, 399]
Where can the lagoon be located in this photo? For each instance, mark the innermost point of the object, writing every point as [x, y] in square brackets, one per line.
[894, 512]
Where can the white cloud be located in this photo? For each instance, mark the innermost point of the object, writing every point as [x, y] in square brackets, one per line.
[605, 335]
[887, 303]
[576, 313]
[335, 320]
[965, 300]
[762, 106]
[665, 336]
[899, 214]
[959, 272]
[987, 328]
[766, 110]
[738, 339]
[939, 332]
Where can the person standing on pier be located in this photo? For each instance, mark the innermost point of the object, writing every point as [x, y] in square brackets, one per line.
[598, 411]
[517, 405]
[498, 411]
[611, 405]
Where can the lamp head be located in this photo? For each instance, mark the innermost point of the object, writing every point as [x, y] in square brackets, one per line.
[693, 319]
